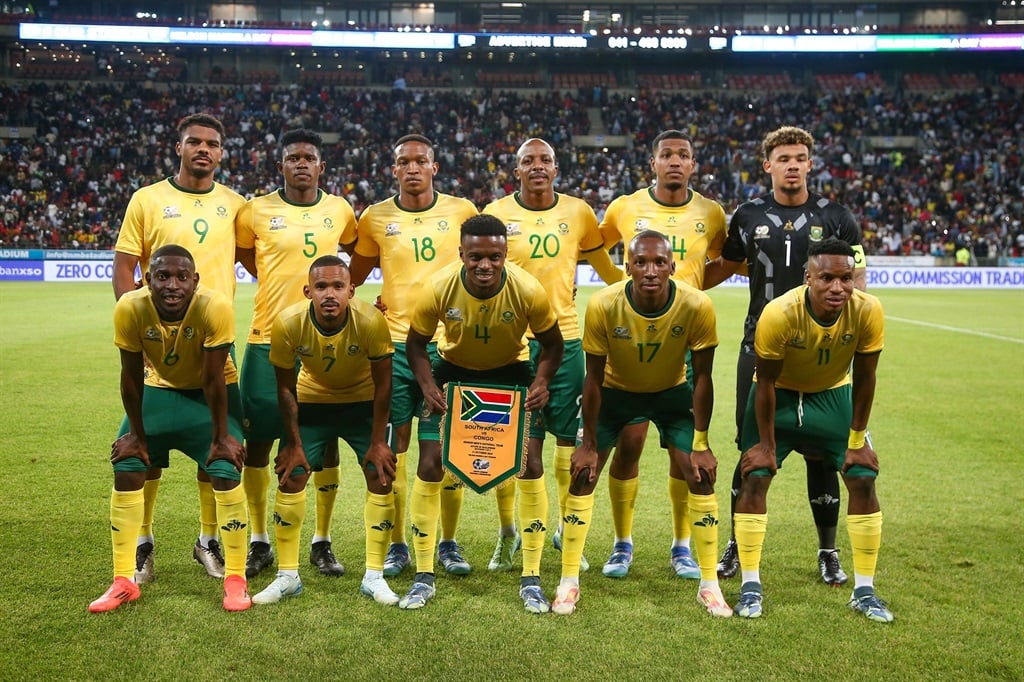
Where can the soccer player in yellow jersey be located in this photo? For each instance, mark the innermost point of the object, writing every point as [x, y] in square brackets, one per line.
[278, 236]
[486, 306]
[696, 229]
[343, 390]
[194, 211]
[548, 234]
[412, 236]
[190, 403]
[805, 398]
[636, 336]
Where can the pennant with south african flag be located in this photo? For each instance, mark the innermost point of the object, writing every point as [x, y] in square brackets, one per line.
[483, 434]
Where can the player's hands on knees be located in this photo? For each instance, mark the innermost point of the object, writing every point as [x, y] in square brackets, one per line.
[760, 456]
[704, 460]
[583, 459]
[537, 396]
[383, 460]
[227, 448]
[864, 456]
[129, 446]
[289, 458]
[434, 400]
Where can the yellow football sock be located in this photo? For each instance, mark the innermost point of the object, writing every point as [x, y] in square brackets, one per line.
[533, 514]
[289, 513]
[399, 491]
[452, 492]
[563, 474]
[424, 508]
[326, 482]
[679, 493]
[233, 522]
[750, 530]
[622, 495]
[207, 509]
[579, 511]
[256, 481]
[704, 517]
[505, 497]
[126, 512]
[149, 491]
[865, 538]
[378, 518]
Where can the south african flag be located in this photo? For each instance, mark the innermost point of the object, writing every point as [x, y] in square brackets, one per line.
[489, 407]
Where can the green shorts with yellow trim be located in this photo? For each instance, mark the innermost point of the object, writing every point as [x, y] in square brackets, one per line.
[180, 420]
[561, 416]
[670, 410]
[406, 396]
[517, 374]
[815, 424]
[321, 424]
[258, 383]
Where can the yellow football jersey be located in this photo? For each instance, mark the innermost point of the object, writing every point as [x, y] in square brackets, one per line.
[696, 228]
[817, 357]
[335, 366]
[202, 222]
[548, 244]
[483, 333]
[287, 238]
[412, 246]
[175, 349]
[646, 352]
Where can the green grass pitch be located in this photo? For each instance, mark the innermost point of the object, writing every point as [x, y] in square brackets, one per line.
[948, 425]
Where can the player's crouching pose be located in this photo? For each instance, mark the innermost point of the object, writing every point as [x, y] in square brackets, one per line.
[636, 335]
[185, 333]
[343, 390]
[805, 398]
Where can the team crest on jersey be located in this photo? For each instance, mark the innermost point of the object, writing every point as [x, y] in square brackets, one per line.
[391, 230]
[676, 331]
[512, 230]
[762, 232]
[642, 224]
[621, 333]
[303, 351]
[353, 349]
[798, 342]
[328, 224]
[563, 229]
[171, 212]
[152, 334]
[846, 339]
[817, 232]
[453, 314]
[222, 212]
[277, 223]
[508, 317]
[699, 228]
[442, 226]
[189, 333]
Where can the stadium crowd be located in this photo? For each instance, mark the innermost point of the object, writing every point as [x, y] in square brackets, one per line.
[94, 144]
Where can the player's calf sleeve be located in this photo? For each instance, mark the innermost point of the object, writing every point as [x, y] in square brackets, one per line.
[326, 484]
[424, 508]
[207, 509]
[149, 491]
[400, 493]
[505, 498]
[289, 513]
[232, 517]
[579, 511]
[563, 475]
[452, 492]
[533, 517]
[622, 495]
[126, 511]
[256, 481]
[865, 538]
[679, 495]
[750, 531]
[703, 514]
[823, 494]
[378, 519]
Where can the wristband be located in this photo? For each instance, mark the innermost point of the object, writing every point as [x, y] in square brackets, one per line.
[856, 440]
[700, 441]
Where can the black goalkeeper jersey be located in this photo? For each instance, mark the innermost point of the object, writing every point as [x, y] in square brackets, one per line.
[773, 240]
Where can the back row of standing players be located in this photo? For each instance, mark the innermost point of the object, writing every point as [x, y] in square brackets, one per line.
[411, 237]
